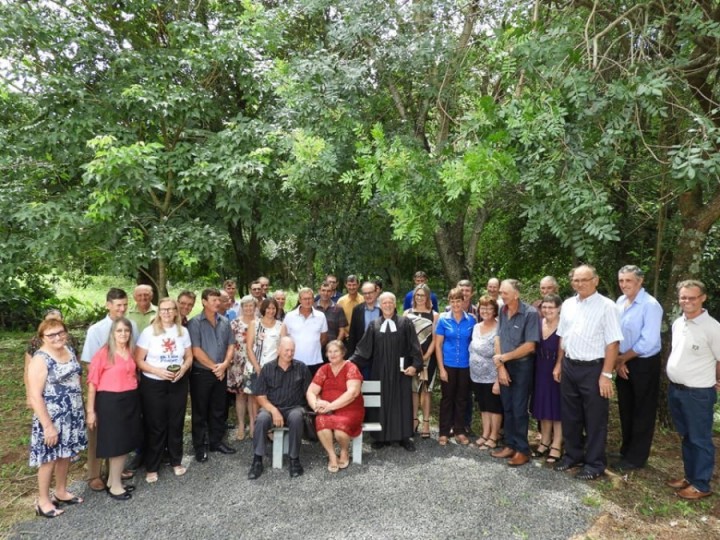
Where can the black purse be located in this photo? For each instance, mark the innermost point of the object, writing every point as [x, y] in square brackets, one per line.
[309, 420]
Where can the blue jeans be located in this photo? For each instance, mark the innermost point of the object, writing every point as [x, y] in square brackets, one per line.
[515, 400]
[692, 413]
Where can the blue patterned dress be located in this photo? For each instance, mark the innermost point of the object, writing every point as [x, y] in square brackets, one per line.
[63, 399]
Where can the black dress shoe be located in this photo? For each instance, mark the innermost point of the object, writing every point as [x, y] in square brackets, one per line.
[295, 468]
[256, 469]
[201, 456]
[377, 445]
[223, 449]
[408, 445]
[623, 466]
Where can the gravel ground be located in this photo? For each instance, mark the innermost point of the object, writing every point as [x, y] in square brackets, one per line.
[436, 492]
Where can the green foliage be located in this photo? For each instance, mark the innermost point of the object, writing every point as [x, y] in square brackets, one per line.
[23, 299]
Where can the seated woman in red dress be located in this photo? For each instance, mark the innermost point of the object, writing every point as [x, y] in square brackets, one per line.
[335, 395]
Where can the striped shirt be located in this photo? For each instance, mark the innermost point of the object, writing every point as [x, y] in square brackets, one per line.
[284, 388]
[588, 326]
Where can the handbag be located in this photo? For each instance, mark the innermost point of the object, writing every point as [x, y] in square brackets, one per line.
[309, 420]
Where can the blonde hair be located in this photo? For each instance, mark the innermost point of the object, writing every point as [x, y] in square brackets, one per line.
[158, 329]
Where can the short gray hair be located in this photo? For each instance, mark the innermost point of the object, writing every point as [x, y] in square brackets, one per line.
[632, 269]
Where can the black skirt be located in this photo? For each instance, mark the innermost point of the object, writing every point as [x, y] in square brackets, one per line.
[119, 424]
[486, 400]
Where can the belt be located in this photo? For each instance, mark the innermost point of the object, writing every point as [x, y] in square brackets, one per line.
[593, 362]
[683, 387]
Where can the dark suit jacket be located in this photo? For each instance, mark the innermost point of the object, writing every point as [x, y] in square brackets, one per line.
[357, 328]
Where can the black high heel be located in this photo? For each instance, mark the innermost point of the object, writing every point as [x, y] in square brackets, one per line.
[49, 514]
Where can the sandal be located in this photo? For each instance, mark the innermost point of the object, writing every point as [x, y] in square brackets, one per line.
[179, 470]
[486, 446]
[97, 484]
[416, 425]
[426, 434]
[588, 475]
[343, 464]
[333, 468]
[49, 514]
[151, 477]
[442, 440]
[462, 439]
[480, 442]
[537, 453]
[72, 500]
[553, 459]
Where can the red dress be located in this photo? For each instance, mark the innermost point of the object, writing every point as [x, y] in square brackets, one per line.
[349, 418]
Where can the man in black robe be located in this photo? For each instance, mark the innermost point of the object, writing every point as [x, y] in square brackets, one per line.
[391, 349]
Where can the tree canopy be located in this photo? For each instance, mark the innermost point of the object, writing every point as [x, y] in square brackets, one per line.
[467, 138]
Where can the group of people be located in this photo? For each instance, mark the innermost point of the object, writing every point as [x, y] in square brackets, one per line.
[552, 359]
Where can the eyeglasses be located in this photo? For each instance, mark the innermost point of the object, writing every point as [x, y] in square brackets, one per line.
[368, 293]
[56, 335]
[582, 280]
[166, 310]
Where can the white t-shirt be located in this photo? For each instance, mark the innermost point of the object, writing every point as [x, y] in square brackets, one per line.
[163, 350]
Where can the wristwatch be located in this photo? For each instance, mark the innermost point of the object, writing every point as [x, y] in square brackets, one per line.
[607, 374]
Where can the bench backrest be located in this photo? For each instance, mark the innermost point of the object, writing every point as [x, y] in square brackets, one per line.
[371, 394]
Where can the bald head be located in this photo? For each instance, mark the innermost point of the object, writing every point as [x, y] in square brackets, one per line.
[143, 295]
[286, 350]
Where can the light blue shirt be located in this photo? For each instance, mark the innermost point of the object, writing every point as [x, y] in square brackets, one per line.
[371, 315]
[640, 323]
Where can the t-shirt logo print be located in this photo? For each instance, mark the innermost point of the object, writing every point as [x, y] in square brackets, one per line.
[168, 346]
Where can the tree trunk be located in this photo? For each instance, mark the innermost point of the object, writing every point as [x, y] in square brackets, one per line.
[246, 246]
[451, 249]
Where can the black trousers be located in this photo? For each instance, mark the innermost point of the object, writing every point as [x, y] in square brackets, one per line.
[207, 395]
[163, 404]
[453, 403]
[637, 403]
[584, 414]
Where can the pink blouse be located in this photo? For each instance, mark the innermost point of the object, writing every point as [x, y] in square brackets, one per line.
[118, 377]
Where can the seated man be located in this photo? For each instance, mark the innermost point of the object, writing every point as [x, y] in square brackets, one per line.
[280, 393]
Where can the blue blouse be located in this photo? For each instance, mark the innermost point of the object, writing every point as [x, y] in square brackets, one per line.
[457, 337]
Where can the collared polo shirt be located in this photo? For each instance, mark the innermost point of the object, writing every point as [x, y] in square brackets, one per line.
[214, 340]
[348, 304]
[456, 339]
[142, 320]
[521, 328]
[640, 323]
[306, 332]
[284, 388]
[335, 317]
[588, 326]
[695, 351]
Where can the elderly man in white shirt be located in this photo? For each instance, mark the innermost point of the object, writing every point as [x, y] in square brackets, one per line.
[590, 331]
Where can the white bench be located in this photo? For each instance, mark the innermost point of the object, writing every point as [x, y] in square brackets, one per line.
[371, 396]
